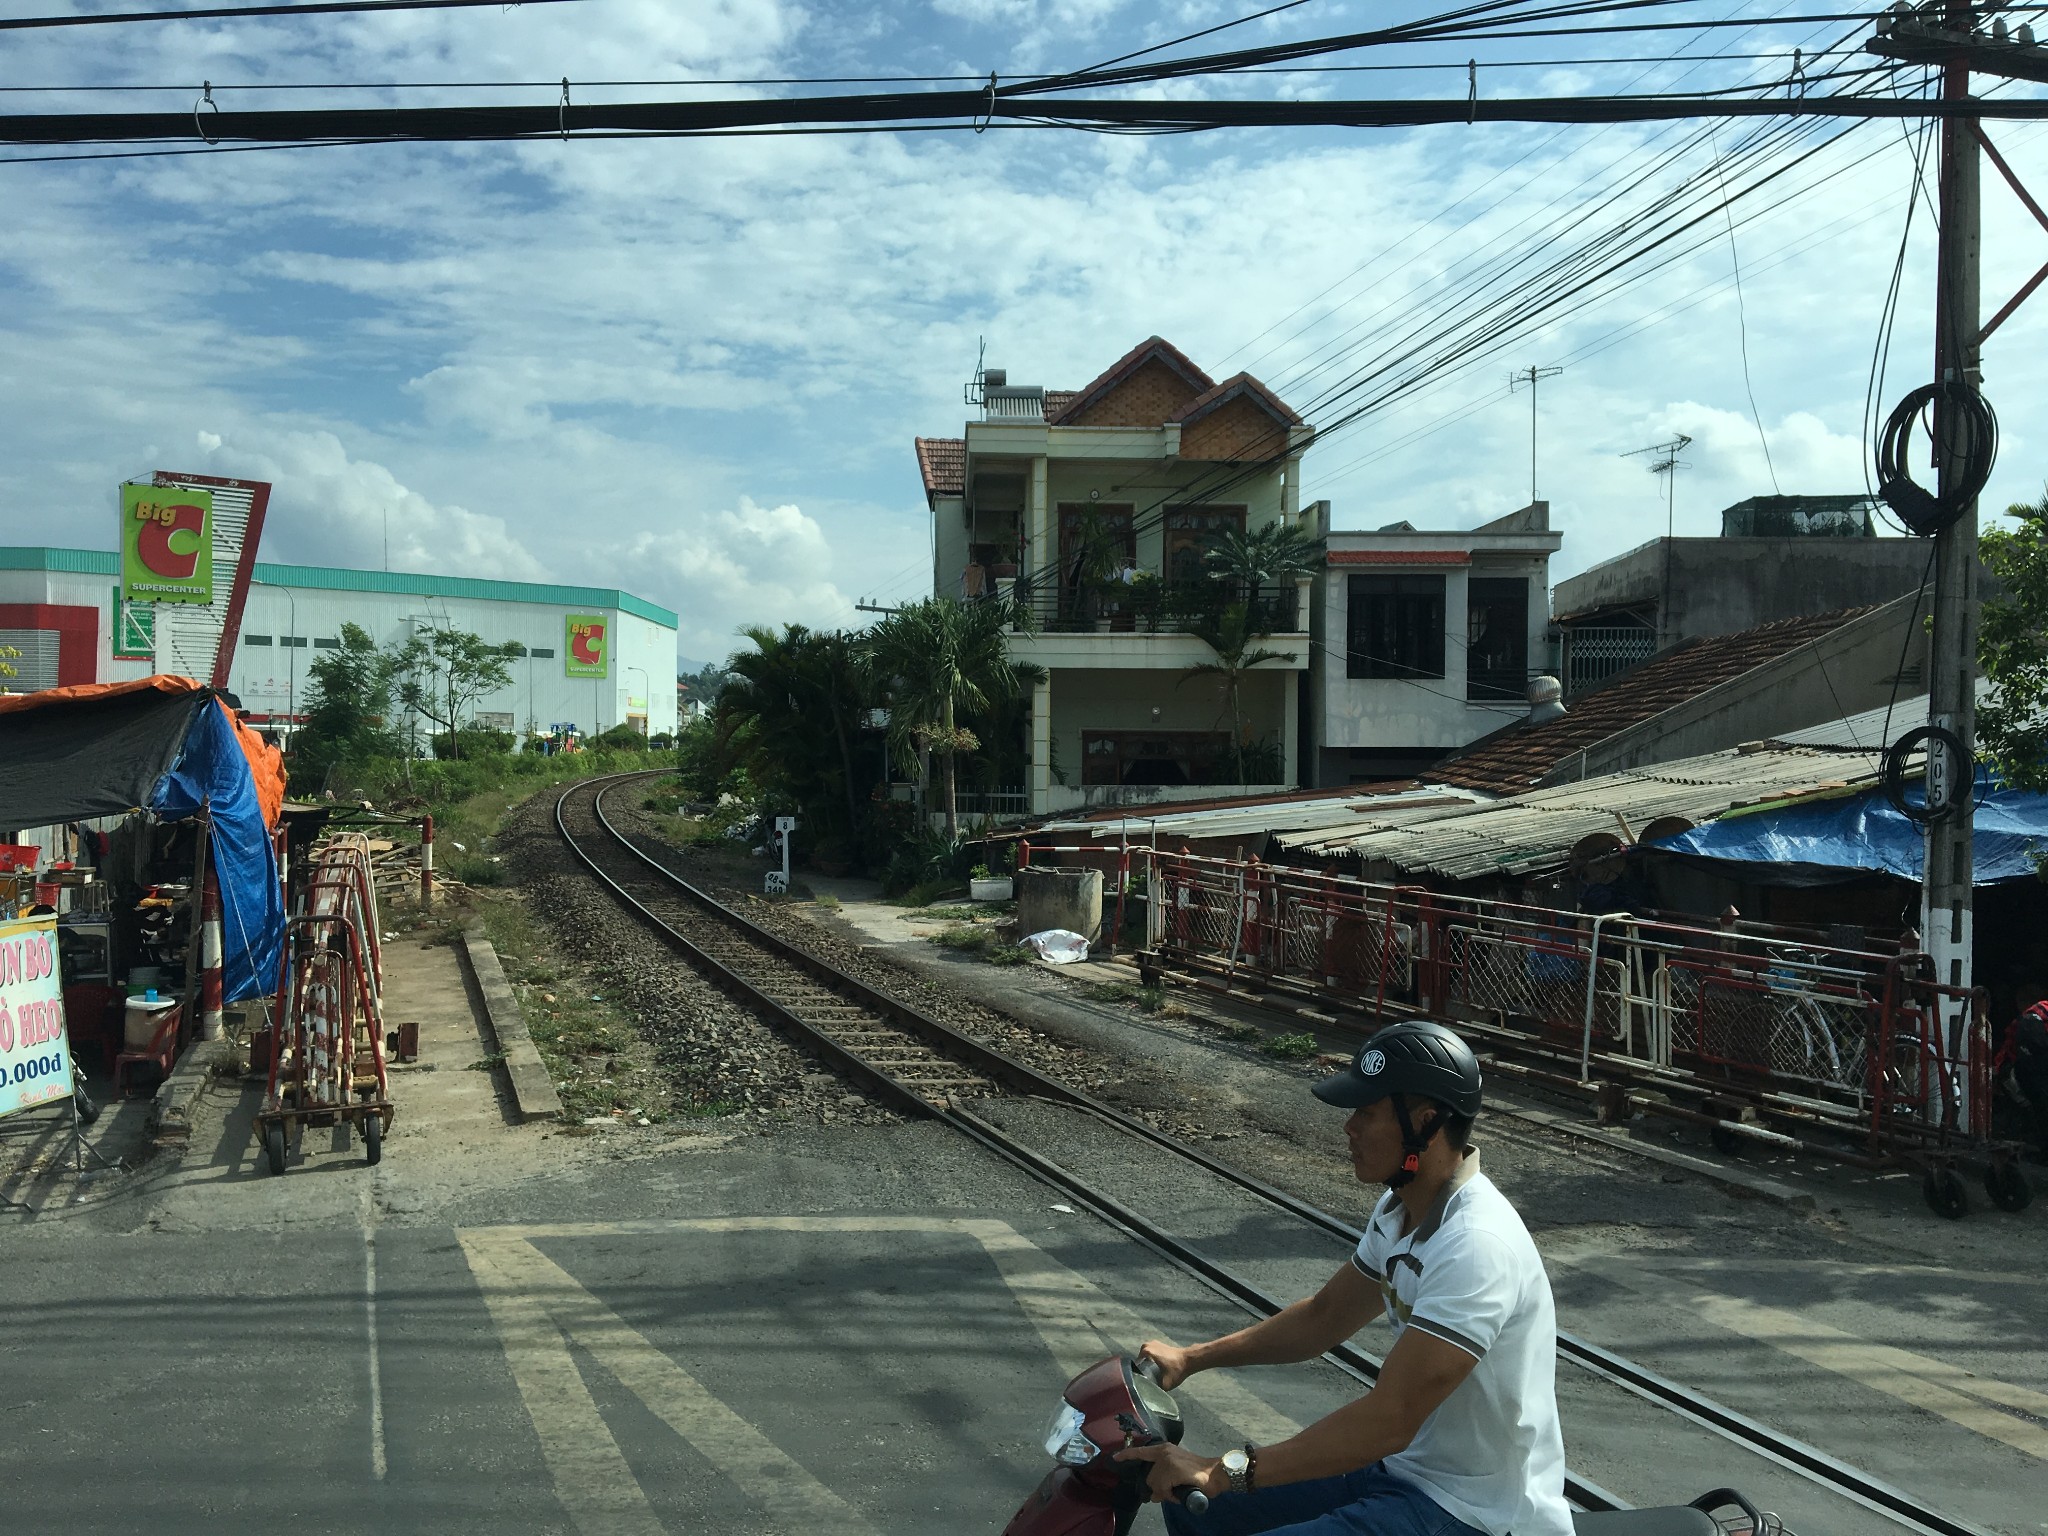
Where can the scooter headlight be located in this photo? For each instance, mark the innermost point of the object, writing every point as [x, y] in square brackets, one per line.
[1064, 1441]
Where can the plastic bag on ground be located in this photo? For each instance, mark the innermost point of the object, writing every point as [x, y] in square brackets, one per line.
[1057, 946]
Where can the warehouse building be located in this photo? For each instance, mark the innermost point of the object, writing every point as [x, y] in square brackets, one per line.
[591, 657]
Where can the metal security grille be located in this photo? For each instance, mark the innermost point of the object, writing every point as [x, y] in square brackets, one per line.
[188, 634]
[1594, 655]
[36, 667]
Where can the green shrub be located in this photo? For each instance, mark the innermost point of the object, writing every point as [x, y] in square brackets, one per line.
[1007, 954]
[1291, 1047]
[476, 869]
[964, 938]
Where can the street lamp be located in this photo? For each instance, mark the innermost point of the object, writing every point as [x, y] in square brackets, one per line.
[646, 700]
[291, 660]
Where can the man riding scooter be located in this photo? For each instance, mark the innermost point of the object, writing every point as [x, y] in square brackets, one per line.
[1460, 1432]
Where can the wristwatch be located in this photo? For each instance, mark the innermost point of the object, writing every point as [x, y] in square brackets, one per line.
[1237, 1466]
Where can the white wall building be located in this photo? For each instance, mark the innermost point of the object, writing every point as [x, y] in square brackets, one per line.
[1425, 640]
[60, 609]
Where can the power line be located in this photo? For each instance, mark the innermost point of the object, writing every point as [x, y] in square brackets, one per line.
[254, 12]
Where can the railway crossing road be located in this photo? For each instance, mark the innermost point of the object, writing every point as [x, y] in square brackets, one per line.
[857, 1332]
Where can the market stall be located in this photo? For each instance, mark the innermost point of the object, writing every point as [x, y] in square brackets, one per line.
[143, 816]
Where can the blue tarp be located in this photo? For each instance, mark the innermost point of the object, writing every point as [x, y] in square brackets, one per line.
[1864, 833]
[211, 772]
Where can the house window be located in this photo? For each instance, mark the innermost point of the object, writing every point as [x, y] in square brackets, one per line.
[333, 644]
[1191, 532]
[1396, 626]
[544, 652]
[1497, 638]
[1095, 529]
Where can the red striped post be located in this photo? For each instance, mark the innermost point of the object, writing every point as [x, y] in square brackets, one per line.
[209, 960]
[427, 861]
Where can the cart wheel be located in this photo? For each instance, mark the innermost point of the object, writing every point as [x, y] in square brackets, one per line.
[1945, 1194]
[1725, 1141]
[2007, 1187]
[373, 1139]
[89, 1112]
[273, 1147]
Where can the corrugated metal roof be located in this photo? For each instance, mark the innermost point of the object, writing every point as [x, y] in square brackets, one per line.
[1874, 728]
[328, 578]
[1324, 814]
[1537, 829]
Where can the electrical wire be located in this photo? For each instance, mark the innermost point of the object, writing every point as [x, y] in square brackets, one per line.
[256, 12]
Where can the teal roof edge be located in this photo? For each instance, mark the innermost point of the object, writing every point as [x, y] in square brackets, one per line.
[103, 562]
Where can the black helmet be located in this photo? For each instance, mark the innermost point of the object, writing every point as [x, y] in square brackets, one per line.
[1416, 1058]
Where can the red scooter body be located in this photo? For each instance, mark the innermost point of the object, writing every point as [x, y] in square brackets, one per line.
[1112, 1405]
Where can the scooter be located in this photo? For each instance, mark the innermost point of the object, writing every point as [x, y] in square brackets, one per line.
[1118, 1403]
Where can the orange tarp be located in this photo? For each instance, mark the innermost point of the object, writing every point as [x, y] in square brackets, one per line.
[266, 763]
[14, 703]
[266, 767]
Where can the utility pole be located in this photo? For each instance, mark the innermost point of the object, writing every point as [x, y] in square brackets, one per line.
[1530, 376]
[1946, 35]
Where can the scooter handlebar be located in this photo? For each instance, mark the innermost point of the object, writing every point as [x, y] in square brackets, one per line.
[1191, 1497]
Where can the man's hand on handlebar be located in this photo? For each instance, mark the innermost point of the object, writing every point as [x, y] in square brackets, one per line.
[1176, 1470]
[1171, 1359]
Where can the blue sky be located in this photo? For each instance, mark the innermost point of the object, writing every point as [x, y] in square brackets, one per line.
[693, 369]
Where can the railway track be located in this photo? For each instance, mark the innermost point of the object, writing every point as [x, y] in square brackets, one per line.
[922, 1066]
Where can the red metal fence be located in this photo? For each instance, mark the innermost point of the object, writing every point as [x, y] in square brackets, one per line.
[1847, 1038]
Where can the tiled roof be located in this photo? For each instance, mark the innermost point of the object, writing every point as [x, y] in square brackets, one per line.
[1145, 351]
[943, 463]
[1057, 400]
[1230, 389]
[1400, 557]
[1521, 756]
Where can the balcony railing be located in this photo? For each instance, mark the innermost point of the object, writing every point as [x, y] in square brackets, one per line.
[1156, 607]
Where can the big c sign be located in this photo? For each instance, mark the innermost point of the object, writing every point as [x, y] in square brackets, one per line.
[588, 645]
[166, 544]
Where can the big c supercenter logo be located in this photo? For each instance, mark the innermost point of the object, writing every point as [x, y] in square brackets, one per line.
[166, 544]
[587, 645]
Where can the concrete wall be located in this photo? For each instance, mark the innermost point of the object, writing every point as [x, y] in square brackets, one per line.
[1846, 671]
[1720, 586]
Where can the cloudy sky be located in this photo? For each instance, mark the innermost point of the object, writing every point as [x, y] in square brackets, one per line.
[693, 369]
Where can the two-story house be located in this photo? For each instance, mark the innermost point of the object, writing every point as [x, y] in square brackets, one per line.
[1426, 640]
[1093, 509]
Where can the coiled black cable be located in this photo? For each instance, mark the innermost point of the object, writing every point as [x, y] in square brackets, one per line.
[1965, 431]
[1962, 773]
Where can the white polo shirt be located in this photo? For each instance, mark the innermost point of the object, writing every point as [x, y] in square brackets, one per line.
[1492, 1454]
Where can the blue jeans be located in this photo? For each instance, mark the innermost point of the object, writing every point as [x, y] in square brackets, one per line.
[1373, 1502]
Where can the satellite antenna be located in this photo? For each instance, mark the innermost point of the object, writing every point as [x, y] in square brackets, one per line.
[1667, 463]
[974, 392]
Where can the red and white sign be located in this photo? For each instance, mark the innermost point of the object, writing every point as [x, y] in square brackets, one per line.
[35, 1050]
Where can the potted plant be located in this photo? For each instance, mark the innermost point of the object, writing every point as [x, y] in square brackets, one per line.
[982, 885]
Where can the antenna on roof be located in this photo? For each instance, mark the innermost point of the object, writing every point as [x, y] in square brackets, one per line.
[975, 392]
[1667, 463]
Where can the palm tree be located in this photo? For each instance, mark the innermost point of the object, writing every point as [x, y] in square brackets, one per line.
[1249, 559]
[936, 659]
[1230, 637]
[781, 692]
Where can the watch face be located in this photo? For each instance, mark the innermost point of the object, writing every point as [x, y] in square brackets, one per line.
[1236, 1463]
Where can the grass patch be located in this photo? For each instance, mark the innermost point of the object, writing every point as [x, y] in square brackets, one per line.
[495, 1059]
[592, 1050]
[958, 912]
[1151, 1000]
[1007, 954]
[929, 891]
[1241, 1034]
[826, 901]
[1291, 1047]
[962, 938]
[477, 869]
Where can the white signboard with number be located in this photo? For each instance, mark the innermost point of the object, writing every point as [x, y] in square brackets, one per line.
[35, 1052]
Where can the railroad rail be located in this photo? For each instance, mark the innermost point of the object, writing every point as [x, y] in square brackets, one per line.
[925, 1067]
